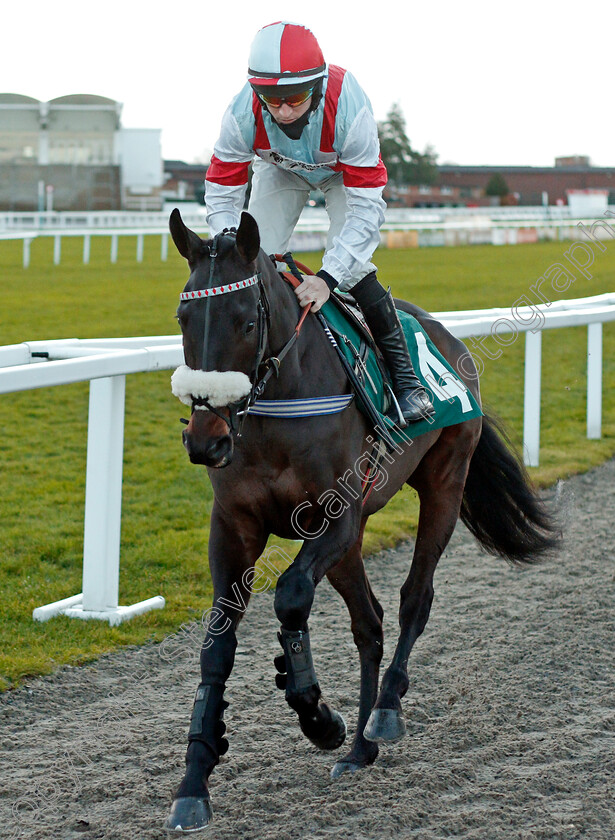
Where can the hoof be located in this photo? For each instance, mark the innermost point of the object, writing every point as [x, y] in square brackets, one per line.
[385, 725]
[360, 757]
[328, 734]
[347, 766]
[188, 814]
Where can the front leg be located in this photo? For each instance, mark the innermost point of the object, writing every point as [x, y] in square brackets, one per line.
[294, 596]
[229, 558]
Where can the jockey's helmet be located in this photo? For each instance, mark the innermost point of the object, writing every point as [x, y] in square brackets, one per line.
[285, 54]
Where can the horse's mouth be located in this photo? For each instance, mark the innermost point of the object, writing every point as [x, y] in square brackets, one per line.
[209, 462]
[223, 462]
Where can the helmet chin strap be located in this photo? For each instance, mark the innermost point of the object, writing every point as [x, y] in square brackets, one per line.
[316, 96]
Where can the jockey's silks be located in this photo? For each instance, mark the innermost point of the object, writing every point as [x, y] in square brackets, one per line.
[341, 137]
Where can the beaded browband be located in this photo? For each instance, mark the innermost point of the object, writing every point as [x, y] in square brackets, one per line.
[221, 290]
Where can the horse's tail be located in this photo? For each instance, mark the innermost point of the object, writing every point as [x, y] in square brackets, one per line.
[500, 507]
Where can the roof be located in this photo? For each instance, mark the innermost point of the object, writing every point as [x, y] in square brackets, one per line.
[518, 170]
[82, 99]
[17, 99]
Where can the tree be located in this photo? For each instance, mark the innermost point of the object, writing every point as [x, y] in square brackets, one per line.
[497, 186]
[403, 163]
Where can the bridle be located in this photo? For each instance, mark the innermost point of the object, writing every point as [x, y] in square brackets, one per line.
[238, 410]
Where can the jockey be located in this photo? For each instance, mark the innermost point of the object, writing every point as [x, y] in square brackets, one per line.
[311, 126]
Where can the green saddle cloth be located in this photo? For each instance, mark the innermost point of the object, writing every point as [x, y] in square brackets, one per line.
[451, 398]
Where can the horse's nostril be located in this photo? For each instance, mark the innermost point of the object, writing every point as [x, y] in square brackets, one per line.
[211, 452]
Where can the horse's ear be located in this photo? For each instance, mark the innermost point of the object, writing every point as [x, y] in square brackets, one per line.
[248, 238]
[187, 242]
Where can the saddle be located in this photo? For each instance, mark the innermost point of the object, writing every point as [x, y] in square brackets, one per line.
[353, 335]
[452, 400]
[342, 319]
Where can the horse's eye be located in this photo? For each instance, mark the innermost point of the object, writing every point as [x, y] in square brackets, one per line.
[249, 327]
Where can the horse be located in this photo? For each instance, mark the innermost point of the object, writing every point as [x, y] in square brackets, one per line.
[244, 334]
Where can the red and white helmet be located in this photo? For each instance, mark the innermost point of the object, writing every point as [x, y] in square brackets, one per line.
[285, 53]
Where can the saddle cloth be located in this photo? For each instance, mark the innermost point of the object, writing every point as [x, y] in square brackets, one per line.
[452, 400]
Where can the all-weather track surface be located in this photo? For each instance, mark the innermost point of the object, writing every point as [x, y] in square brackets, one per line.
[510, 714]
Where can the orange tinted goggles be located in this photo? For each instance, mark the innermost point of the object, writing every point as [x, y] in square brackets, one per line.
[293, 101]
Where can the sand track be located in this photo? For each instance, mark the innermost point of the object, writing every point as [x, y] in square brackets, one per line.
[510, 713]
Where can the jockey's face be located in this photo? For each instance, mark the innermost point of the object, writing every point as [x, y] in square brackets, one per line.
[286, 114]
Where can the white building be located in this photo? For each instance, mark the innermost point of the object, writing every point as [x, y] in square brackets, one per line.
[73, 153]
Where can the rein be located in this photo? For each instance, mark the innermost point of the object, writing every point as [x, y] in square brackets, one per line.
[274, 362]
[294, 279]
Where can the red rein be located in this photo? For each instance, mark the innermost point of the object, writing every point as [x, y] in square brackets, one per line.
[290, 278]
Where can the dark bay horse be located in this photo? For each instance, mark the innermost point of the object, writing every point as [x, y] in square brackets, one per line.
[278, 476]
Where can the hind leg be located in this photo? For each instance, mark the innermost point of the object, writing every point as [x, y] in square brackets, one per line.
[350, 580]
[439, 481]
[294, 596]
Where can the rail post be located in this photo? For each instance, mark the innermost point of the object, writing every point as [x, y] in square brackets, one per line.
[594, 381]
[531, 399]
[103, 511]
[103, 494]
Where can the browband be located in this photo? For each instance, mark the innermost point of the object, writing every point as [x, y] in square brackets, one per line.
[221, 290]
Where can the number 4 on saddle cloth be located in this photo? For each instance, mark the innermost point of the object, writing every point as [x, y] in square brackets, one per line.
[452, 400]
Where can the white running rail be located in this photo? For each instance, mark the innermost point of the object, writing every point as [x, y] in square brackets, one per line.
[106, 362]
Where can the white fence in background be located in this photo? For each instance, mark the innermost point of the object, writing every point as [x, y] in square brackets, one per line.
[195, 214]
[429, 227]
[106, 362]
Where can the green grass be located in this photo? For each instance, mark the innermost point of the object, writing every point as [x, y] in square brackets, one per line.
[166, 501]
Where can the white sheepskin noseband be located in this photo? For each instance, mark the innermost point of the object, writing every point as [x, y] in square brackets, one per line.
[219, 388]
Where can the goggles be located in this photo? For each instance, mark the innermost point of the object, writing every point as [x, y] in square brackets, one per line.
[293, 100]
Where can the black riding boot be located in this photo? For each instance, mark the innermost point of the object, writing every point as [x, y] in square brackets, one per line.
[382, 319]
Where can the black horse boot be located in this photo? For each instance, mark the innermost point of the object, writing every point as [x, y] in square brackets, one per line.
[382, 319]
